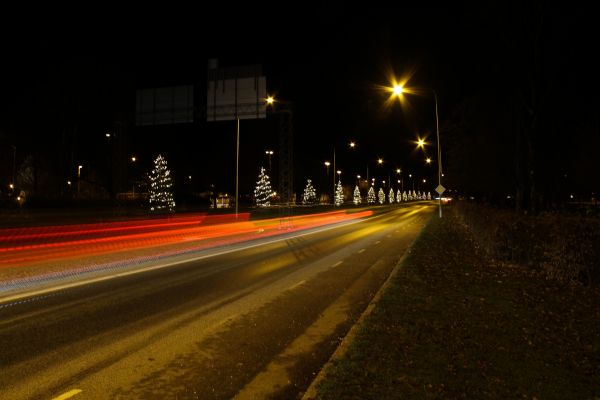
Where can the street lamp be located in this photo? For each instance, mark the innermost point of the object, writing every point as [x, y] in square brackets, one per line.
[78, 178]
[398, 90]
[269, 153]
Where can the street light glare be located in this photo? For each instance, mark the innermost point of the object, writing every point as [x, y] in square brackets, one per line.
[270, 100]
[428, 161]
[327, 163]
[398, 90]
[352, 144]
[380, 161]
[420, 143]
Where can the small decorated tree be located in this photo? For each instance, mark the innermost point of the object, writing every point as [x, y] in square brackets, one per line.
[357, 199]
[310, 195]
[263, 191]
[381, 195]
[339, 194]
[404, 196]
[428, 195]
[160, 190]
[371, 196]
[391, 198]
[398, 196]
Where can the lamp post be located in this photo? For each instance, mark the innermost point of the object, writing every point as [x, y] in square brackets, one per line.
[398, 90]
[78, 178]
[133, 160]
[269, 153]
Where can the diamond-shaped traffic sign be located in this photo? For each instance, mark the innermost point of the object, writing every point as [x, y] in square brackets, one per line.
[440, 189]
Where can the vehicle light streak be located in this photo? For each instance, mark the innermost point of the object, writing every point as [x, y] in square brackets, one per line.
[150, 236]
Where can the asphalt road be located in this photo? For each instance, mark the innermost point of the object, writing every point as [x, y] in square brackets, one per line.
[257, 322]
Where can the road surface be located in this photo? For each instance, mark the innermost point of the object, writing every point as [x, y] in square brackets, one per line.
[253, 322]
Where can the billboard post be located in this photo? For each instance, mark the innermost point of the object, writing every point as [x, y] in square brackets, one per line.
[235, 93]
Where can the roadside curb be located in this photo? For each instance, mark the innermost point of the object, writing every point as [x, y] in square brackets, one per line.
[311, 392]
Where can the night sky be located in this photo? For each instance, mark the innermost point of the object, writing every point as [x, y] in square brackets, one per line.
[60, 71]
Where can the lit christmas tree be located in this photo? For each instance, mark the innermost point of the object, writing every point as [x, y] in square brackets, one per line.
[410, 196]
[391, 196]
[310, 196]
[371, 196]
[404, 196]
[398, 196]
[263, 191]
[381, 195]
[357, 199]
[339, 194]
[428, 195]
[160, 190]
[414, 195]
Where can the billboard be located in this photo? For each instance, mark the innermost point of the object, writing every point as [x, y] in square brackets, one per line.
[236, 92]
[164, 106]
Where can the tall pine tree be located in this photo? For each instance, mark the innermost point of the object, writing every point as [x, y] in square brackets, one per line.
[339, 194]
[160, 189]
[381, 195]
[371, 196]
[263, 191]
[310, 195]
[357, 199]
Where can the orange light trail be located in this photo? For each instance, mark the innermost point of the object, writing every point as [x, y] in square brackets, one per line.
[31, 246]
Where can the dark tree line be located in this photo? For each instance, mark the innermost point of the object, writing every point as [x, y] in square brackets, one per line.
[529, 133]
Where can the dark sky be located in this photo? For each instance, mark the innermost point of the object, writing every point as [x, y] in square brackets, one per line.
[325, 59]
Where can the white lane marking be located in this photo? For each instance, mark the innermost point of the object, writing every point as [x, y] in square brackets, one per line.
[336, 264]
[361, 250]
[296, 285]
[377, 242]
[68, 394]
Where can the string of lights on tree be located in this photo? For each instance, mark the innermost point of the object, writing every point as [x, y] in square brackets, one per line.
[357, 200]
[339, 194]
[310, 195]
[263, 191]
[391, 196]
[160, 191]
[381, 195]
[371, 196]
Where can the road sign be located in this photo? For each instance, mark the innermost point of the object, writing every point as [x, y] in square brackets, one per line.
[440, 189]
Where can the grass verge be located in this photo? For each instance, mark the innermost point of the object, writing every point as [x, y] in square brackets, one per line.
[453, 324]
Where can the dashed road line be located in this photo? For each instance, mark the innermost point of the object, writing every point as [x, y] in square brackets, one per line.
[296, 285]
[377, 242]
[336, 264]
[68, 394]
[361, 250]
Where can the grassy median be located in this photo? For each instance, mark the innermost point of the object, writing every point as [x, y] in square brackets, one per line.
[454, 324]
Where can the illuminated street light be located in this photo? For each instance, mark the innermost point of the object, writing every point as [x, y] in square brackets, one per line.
[133, 159]
[380, 161]
[270, 100]
[79, 179]
[428, 161]
[269, 153]
[352, 144]
[397, 91]
[421, 143]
